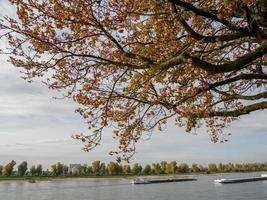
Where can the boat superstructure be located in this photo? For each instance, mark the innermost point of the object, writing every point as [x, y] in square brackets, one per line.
[140, 181]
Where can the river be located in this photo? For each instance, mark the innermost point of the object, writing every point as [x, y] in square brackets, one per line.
[121, 189]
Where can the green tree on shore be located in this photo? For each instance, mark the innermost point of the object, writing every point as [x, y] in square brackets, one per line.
[81, 170]
[113, 168]
[212, 167]
[102, 169]
[32, 171]
[147, 170]
[57, 169]
[137, 169]
[183, 168]
[195, 168]
[65, 169]
[90, 170]
[221, 167]
[171, 167]
[39, 170]
[202, 169]
[22, 168]
[126, 169]
[163, 165]
[156, 168]
[1, 170]
[8, 169]
[98, 168]
[229, 167]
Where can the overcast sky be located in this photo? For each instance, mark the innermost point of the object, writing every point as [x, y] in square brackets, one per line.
[37, 128]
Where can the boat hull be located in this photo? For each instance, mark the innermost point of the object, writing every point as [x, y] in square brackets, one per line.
[154, 181]
[240, 180]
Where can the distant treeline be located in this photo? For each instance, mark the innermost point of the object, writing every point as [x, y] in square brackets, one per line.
[98, 168]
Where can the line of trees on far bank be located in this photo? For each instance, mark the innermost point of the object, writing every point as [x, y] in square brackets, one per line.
[98, 168]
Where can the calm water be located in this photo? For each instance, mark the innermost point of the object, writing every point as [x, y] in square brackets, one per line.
[203, 189]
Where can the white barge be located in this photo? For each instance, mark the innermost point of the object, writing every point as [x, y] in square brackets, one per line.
[241, 180]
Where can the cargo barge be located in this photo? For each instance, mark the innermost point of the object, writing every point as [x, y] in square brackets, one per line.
[152, 181]
[241, 180]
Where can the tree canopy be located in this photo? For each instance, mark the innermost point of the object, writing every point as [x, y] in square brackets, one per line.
[22, 168]
[8, 169]
[116, 169]
[133, 65]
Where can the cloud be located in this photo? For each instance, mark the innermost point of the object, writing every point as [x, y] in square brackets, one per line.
[13, 145]
[6, 9]
[44, 142]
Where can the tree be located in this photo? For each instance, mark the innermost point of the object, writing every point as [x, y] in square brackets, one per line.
[57, 169]
[147, 170]
[202, 169]
[136, 169]
[221, 167]
[183, 168]
[212, 167]
[163, 165]
[90, 170]
[103, 169]
[8, 169]
[156, 168]
[1, 170]
[46, 173]
[171, 167]
[98, 168]
[81, 170]
[22, 168]
[229, 167]
[195, 168]
[113, 168]
[136, 64]
[65, 169]
[39, 170]
[126, 169]
[78, 170]
[33, 170]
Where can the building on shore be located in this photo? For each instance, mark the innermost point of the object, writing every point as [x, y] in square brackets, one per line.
[72, 168]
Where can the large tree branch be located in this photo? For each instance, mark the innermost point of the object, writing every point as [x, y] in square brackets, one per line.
[237, 78]
[262, 6]
[221, 83]
[116, 42]
[209, 15]
[72, 54]
[236, 65]
[211, 39]
[244, 97]
[238, 112]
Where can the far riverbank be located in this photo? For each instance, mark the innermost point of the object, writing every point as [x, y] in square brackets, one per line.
[93, 178]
